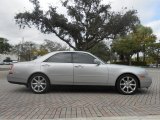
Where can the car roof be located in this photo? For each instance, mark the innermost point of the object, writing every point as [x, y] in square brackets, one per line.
[42, 58]
[69, 52]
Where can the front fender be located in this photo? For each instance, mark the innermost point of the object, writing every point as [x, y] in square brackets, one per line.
[117, 70]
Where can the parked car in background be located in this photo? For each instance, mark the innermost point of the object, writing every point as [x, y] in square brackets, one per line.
[77, 68]
[14, 61]
[6, 63]
[154, 65]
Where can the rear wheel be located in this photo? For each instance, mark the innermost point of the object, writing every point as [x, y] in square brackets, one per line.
[39, 83]
[127, 84]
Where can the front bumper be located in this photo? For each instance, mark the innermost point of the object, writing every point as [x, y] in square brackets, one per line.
[146, 82]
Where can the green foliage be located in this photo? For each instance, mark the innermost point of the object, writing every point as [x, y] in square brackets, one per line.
[144, 37]
[125, 46]
[51, 46]
[137, 41]
[48, 46]
[29, 50]
[88, 22]
[134, 63]
[39, 52]
[101, 50]
[4, 46]
[24, 50]
[153, 51]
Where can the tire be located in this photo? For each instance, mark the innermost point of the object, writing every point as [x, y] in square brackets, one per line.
[127, 84]
[39, 83]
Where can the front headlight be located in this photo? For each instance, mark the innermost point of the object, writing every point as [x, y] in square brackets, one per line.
[143, 75]
[146, 73]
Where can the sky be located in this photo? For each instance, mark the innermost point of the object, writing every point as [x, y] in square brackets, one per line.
[148, 12]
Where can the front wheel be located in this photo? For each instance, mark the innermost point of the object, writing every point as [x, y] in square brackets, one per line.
[39, 83]
[127, 84]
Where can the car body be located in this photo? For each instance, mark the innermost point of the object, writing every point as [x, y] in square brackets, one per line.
[14, 61]
[154, 65]
[6, 63]
[1, 63]
[77, 68]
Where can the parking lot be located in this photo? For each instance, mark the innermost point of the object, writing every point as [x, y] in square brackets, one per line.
[17, 102]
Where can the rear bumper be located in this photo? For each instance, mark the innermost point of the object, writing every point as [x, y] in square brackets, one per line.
[15, 80]
[19, 83]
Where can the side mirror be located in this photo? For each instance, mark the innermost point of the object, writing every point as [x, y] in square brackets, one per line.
[96, 61]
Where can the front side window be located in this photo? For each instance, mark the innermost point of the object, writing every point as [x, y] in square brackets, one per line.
[83, 58]
[60, 58]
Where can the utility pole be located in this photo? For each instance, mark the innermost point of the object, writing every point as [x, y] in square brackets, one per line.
[1, 43]
[111, 53]
[30, 56]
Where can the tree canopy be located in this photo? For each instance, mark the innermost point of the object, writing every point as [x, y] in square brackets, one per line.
[29, 50]
[51, 46]
[87, 22]
[137, 41]
[24, 50]
[101, 50]
[125, 46]
[153, 51]
[4, 46]
[144, 37]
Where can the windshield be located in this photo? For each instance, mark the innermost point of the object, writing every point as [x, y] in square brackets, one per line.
[41, 58]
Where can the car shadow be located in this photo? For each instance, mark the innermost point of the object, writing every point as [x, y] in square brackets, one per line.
[70, 89]
[80, 89]
[83, 89]
[144, 91]
[21, 89]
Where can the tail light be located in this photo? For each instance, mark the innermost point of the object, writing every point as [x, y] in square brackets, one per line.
[11, 69]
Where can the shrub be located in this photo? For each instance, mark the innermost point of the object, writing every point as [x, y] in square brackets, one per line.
[134, 63]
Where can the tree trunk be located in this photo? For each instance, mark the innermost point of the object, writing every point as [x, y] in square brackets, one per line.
[144, 56]
[121, 57]
[157, 63]
[144, 53]
[138, 57]
[130, 61]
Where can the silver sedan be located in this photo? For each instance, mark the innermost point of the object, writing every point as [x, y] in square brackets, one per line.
[77, 68]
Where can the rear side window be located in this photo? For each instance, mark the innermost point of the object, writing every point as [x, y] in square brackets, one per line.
[83, 58]
[60, 58]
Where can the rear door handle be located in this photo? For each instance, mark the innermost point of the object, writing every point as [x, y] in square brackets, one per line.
[78, 66]
[45, 65]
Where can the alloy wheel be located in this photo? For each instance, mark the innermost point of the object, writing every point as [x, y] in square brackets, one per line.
[38, 84]
[128, 84]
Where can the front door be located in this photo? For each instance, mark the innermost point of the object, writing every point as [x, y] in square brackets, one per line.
[86, 72]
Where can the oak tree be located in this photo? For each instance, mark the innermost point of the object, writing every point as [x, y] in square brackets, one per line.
[87, 22]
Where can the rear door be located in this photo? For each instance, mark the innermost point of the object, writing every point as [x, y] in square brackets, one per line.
[59, 68]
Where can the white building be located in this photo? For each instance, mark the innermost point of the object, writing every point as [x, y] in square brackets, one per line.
[12, 56]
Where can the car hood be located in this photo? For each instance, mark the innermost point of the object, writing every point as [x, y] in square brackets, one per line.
[124, 66]
[125, 69]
